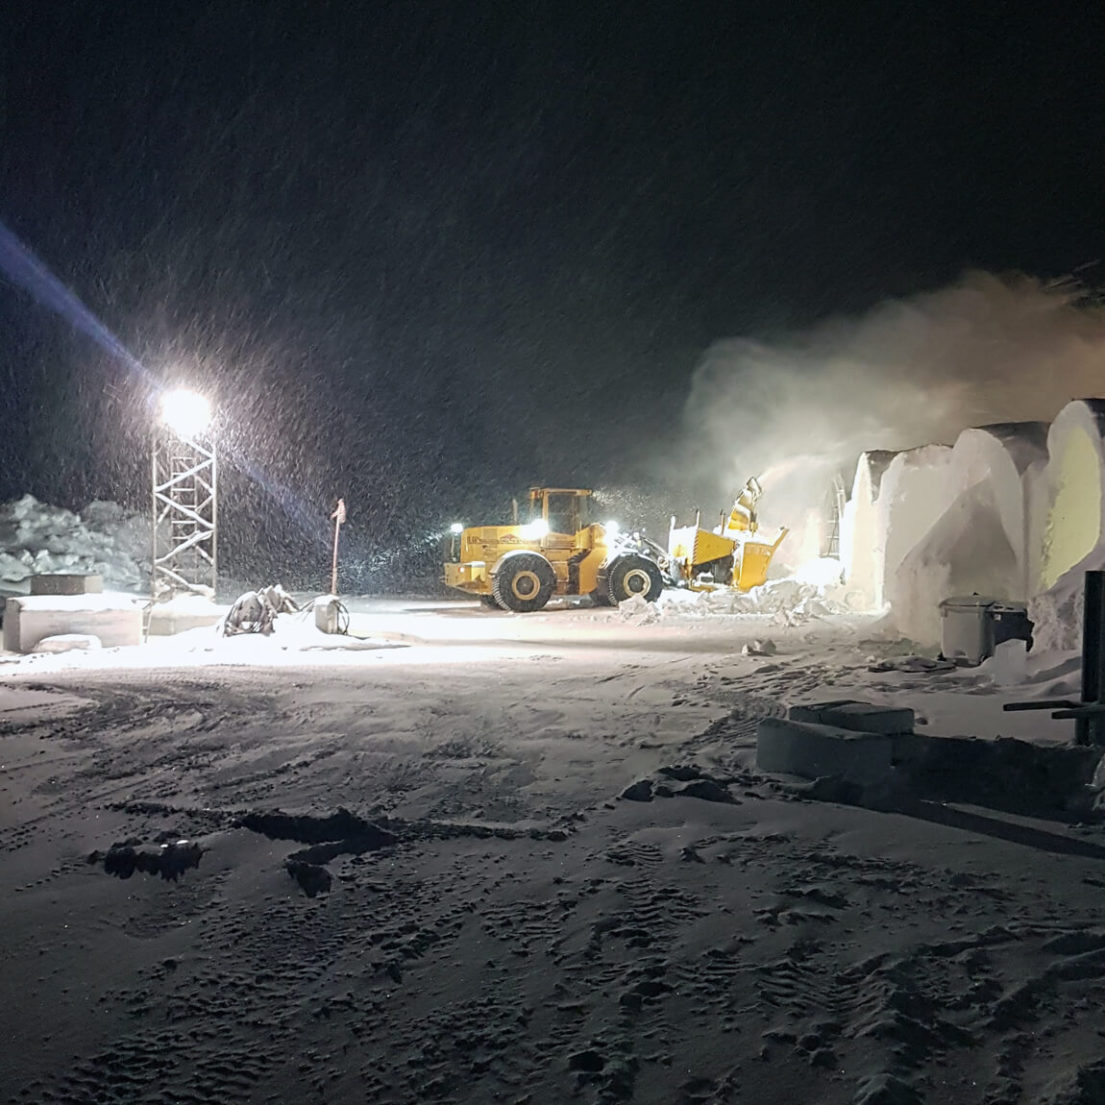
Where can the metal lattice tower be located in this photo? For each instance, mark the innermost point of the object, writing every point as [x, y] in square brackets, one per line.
[184, 515]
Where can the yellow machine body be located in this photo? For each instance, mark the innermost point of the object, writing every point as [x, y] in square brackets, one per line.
[557, 529]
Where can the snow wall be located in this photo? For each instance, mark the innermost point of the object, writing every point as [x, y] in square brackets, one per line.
[1065, 524]
[1013, 511]
[859, 537]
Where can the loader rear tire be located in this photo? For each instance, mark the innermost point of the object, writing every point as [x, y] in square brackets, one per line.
[633, 575]
[490, 602]
[523, 582]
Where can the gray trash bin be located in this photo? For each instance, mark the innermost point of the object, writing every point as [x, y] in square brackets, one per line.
[972, 625]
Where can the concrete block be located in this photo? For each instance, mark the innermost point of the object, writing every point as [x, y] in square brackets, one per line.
[63, 583]
[811, 751]
[114, 619]
[863, 717]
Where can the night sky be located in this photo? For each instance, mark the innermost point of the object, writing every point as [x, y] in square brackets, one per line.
[426, 254]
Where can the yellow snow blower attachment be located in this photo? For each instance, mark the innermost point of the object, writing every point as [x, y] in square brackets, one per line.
[729, 556]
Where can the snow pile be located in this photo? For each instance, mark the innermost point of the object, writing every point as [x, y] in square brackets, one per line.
[822, 571]
[1058, 612]
[976, 537]
[965, 553]
[290, 633]
[37, 538]
[788, 601]
[914, 493]
[637, 610]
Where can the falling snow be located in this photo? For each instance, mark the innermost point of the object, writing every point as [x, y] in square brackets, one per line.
[421, 258]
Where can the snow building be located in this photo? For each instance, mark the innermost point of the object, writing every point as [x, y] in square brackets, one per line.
[1012, 511]
[1065, 522]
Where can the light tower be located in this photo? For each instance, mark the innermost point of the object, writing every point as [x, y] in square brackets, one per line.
[184, 503]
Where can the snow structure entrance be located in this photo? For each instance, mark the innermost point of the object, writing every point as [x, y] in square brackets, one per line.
[1012, 511]
[184, 515]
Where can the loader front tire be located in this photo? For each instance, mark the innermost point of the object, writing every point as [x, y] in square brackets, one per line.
[523, 582]
[633, 575]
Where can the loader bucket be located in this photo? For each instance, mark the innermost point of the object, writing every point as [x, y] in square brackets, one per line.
[755, 558]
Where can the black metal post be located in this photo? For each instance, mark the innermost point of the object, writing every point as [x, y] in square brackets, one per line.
[1087, 728]
[1088, 714]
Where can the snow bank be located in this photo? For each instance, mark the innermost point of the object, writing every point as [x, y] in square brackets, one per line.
[912, 495]
[37, 538]
[859, 531]
[974, 530]
[1057, 613]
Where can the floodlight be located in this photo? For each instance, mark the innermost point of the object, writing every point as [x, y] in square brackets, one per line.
[612, 529]
[457, 528]
[186, 413]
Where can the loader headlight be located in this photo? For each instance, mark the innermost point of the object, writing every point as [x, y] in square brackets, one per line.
[612, 530]
[535, 530]
[456, 529]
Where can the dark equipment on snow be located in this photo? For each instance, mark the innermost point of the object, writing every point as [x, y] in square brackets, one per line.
[255, 611]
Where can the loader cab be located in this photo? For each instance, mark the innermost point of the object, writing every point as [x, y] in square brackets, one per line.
[564, 510]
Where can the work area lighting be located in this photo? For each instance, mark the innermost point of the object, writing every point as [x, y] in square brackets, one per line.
[184, 497]
[535, 530]
[186, 413]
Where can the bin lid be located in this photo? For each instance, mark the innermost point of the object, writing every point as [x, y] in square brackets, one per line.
[969, 602]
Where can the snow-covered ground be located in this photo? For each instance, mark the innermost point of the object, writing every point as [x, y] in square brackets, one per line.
[417, 878]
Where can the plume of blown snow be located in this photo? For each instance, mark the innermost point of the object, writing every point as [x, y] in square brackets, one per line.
[912, 371]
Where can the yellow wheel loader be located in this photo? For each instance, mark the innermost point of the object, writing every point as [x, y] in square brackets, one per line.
[558, 550]
[729, 556]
